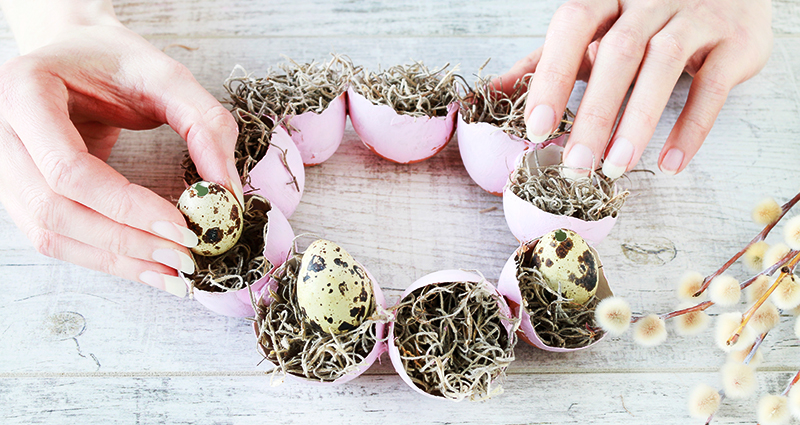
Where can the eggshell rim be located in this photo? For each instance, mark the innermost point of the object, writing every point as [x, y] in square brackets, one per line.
[318, 151]
[270, 179]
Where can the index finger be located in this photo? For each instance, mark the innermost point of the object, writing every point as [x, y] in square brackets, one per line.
[573, 27]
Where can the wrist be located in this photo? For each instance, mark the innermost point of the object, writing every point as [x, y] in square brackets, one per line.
[37, 23]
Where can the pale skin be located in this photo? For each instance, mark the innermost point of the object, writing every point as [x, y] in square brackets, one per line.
[82, 76]
[646, 44]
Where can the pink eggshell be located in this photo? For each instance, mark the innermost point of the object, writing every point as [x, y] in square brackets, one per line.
[489, 154]
[398, 137]
[527, 222]
[432, 279]
[238, 303]
[509, 287]
[377, 350]
[270, 178]
[318, 135]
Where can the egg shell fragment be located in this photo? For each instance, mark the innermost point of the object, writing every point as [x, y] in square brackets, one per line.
[508, 285]
[333, 290]
[399, 137]
[527, 222]
[278, 243]
[377, 350]
[489, 154]
[568, 264]
[270, 178]
[442, 276]
[214, 215]
[318, 135]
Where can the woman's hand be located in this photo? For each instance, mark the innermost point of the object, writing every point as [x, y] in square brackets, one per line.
[613, 44]
[62, 106]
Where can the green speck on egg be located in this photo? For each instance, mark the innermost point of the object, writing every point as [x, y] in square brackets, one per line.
[202, 190]
[560, 235]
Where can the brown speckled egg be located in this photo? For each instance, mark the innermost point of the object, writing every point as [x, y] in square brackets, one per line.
[214, 215]
[334, 292]
[568, 264]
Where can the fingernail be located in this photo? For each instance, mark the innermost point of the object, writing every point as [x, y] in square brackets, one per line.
[175, 259]
[672, 162]
[618, 158]
[175, 233]
[578, 163]
[172, 284]
[540, 123]
[236, 182]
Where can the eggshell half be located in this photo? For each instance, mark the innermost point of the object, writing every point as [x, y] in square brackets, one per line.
[398, 137]
[318, 135]
[270, 178]
[377, 350]
[489, 154]
[509, 287]
[278, 242]
[433, 279]
[527, 222]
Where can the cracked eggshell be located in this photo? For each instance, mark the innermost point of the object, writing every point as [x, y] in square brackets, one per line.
[442, 276]
[377, 350]
[318, 135]
[270, 178]
[527, 222]
[489, 154]
[278, 243]
[398, 137]
[508, 285]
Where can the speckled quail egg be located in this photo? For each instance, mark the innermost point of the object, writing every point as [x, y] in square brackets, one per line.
[334, 292]
[214, 215]
[568, 264]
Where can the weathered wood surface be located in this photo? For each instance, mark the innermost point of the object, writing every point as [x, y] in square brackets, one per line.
[78, 346]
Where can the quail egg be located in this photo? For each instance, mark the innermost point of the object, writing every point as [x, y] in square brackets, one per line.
[567, 264]
[334, 292]
[214, 215]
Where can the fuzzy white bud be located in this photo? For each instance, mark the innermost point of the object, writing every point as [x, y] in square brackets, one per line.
[650, 331]
[738, 380]
[754, 255]
[765, 318]
[741, 355]
[727, 323]
[773, 410]
[613, 314]
[791, 232]
[691, 323]
[724, 290]
[775, 253]
[757, 288]
[766, 211]
[787, 294]
[704, 401]
[689, 284]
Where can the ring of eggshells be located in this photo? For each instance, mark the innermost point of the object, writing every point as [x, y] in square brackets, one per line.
[318, 317]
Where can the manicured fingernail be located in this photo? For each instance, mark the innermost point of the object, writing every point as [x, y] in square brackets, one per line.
[540, 123]
[672, 162]
[175, 233]
[172, 284]
[578, 162]
[236, 182]
[175, 259]
[618, 158]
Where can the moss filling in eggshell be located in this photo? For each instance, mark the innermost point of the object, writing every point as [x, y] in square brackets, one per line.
[504, 108]
[295, 348]
[558, 321]
[410, 89]
[293, 89]
[452, 341]
[242, 265]
[590, 199]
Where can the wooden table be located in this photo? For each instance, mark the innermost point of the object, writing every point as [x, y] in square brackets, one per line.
[77, 346]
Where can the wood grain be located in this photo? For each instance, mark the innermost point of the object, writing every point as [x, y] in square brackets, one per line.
[77, 346]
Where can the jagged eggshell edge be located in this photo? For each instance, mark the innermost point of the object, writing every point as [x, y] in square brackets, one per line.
[398, 137]
[508, 285]
[433, 279]
[489, 154]
[527, 222]
[270, 178]
[238, 303]
[377, 350]
[318, 135]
